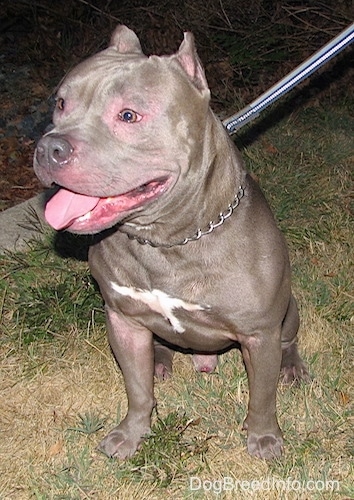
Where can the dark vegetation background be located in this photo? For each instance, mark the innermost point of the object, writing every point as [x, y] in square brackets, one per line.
[245, 47]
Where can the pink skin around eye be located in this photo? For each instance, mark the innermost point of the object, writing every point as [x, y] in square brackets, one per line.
[129, 116]
[113, 118]
[146, 111]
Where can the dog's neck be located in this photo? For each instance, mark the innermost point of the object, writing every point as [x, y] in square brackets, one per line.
[199, 233]
[208, 206]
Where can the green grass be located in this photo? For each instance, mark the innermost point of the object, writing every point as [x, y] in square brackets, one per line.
[48, 293]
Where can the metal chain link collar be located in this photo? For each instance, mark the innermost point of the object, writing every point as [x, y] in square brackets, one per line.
[223, 216]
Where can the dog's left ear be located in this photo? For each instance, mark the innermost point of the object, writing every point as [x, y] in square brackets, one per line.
[125, 41]
[188, 58]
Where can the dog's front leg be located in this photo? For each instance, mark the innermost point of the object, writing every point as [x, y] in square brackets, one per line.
[132, 345]
[262, 357]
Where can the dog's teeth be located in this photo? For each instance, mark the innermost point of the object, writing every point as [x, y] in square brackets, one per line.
[85, 217]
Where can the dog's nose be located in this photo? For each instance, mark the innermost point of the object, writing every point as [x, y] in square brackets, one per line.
[53, 151]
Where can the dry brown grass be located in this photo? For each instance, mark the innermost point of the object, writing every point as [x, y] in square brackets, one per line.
[45, 389]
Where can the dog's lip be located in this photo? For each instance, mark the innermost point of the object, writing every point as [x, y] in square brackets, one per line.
[101, 212]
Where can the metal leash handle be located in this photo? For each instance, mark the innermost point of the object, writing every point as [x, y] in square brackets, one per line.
[328, 51]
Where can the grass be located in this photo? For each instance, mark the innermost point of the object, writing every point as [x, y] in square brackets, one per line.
[62, 391]
[45, 303]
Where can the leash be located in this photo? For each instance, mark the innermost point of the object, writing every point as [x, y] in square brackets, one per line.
[325, 54]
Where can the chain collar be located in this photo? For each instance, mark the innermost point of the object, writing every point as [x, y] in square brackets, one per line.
[223, 216]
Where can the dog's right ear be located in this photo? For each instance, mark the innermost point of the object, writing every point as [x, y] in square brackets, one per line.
[125, 41]
[188, 58]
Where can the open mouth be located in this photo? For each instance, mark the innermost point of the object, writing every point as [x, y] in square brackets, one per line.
[80, 213]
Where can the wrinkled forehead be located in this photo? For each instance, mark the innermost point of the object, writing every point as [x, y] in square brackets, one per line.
[109, 72]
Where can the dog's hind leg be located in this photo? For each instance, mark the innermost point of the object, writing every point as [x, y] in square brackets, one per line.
[293, 369]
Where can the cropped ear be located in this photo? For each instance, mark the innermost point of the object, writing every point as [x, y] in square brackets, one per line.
[188, 58]
[125, 41]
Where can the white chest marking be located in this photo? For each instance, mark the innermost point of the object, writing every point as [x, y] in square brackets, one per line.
[159, 302]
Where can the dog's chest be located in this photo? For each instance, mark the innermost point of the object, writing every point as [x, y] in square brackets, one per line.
[158, 302]
[178, 302]
[180, 322]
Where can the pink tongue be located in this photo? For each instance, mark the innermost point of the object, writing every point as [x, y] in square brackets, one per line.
[65, 206]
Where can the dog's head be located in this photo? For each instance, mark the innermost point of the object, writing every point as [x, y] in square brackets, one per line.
[126, 127]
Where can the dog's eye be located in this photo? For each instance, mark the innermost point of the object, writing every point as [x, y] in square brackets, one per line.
[129, 116]
[60, 103]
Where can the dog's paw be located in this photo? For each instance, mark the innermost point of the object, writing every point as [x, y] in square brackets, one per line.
[162, 371]
[163, 358]
[266, 447]
[295, 374]
[205, 362]
[120, 444]
[293, 369]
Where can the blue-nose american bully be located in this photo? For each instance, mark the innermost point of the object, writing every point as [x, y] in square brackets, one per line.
[192, 258]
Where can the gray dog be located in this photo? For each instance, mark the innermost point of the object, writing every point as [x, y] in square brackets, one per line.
[193, 258]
